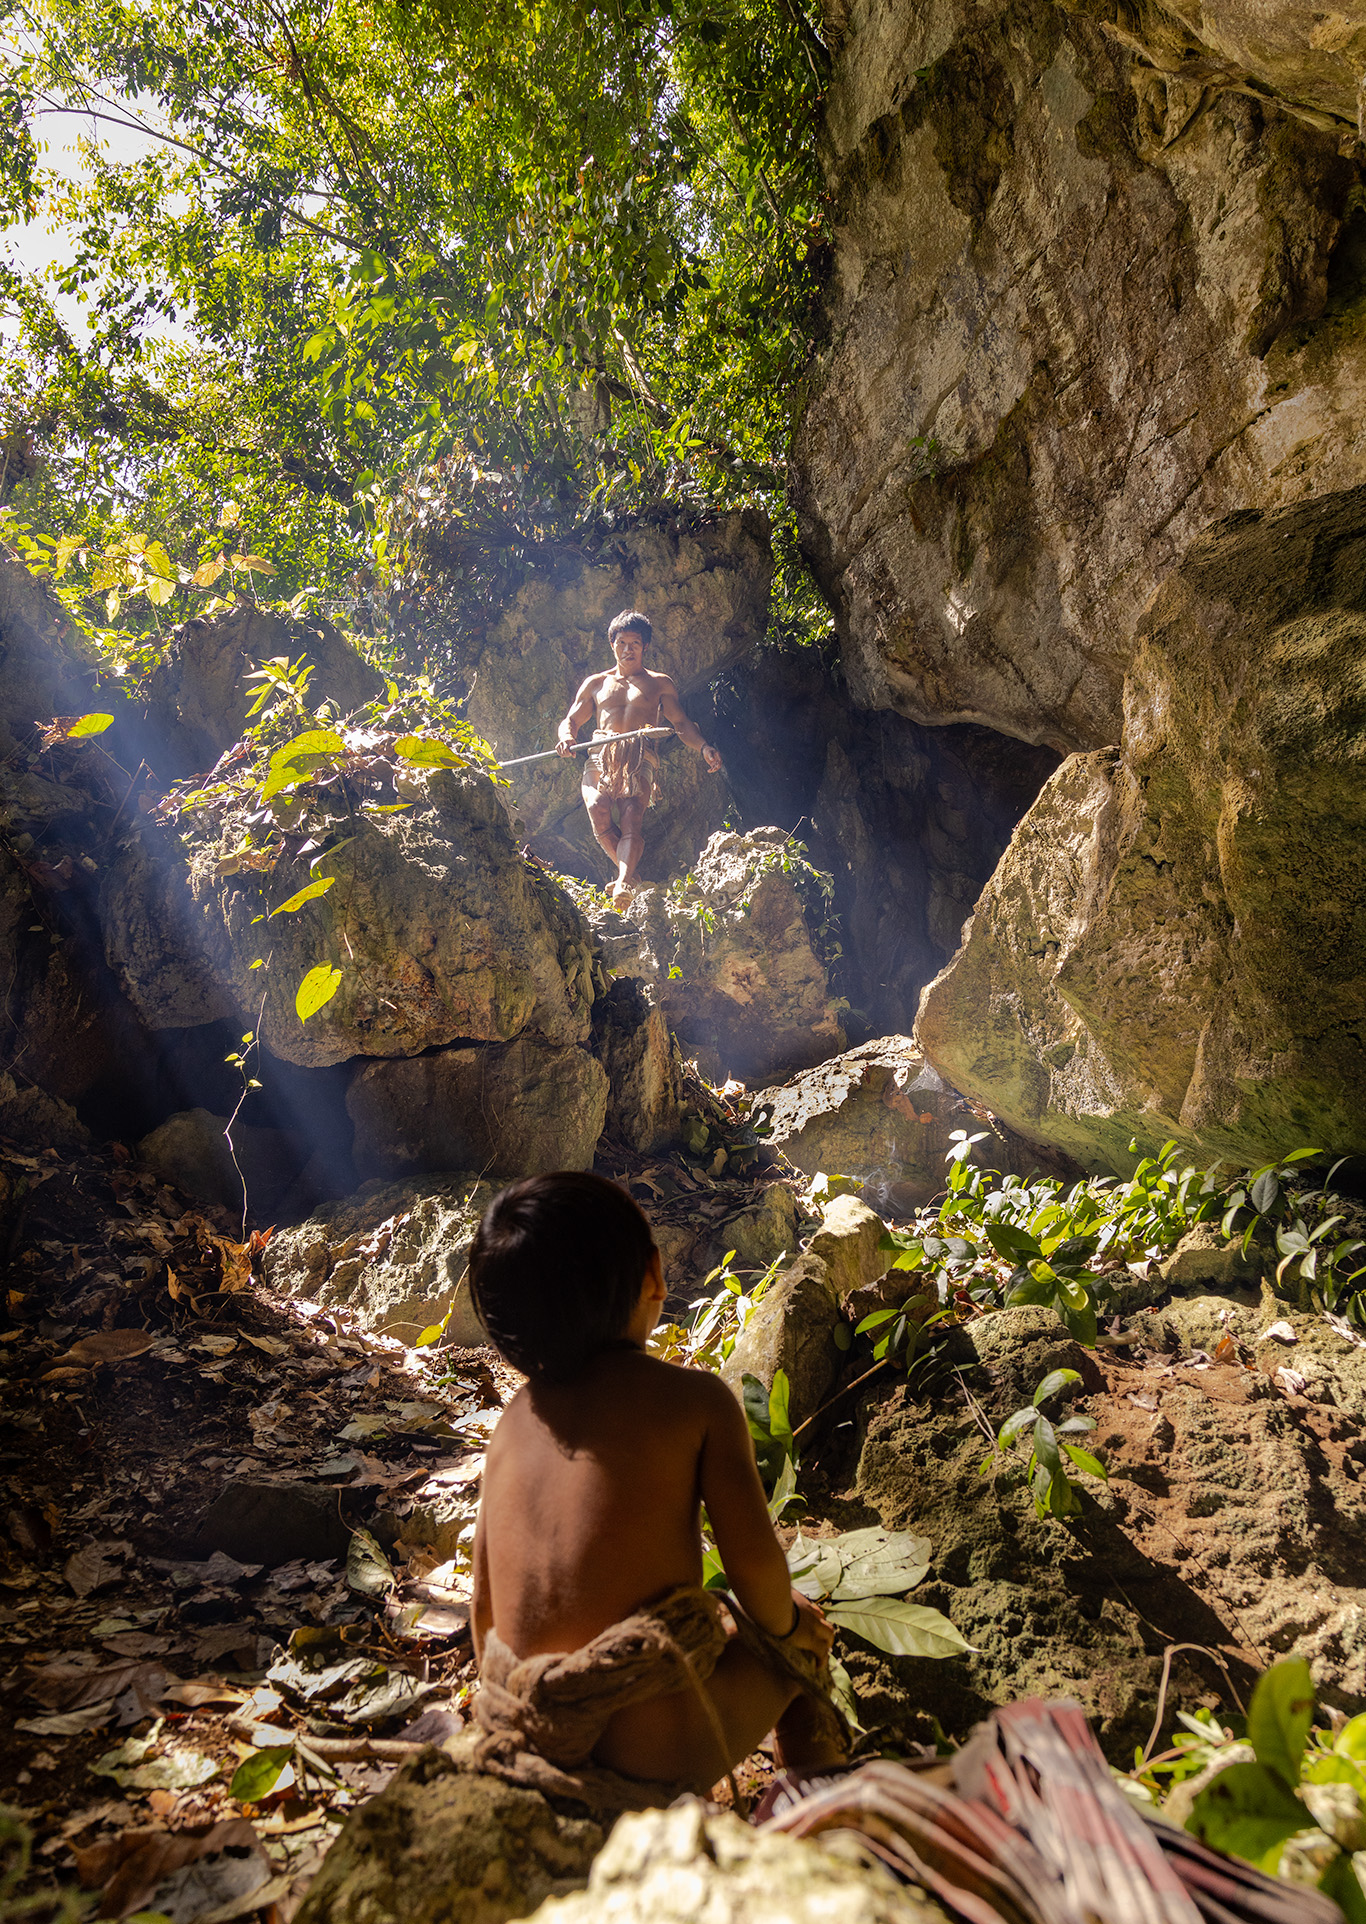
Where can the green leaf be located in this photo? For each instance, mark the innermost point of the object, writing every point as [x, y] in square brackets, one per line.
[1008, 1240]
[1248, 1811]
[1085, 1461]
[859, 1563]
[876, 1319]
[1279, 1717]
[902, 1629]
[1046, 1444]
[779, 1424]
[424, 752]
[1265, 1192]
[309, 892]
[256, 1776]
[317, 988]
[1341, 1883]
[1055, 1381]
[843, 1336]
[324, 742]
[1013, 1425]
[784, 1489]
[88, 725]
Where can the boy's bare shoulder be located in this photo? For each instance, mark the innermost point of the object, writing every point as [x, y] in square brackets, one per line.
[697, 1388]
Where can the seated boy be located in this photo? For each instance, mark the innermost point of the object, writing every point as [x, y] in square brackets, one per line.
[607, 1672]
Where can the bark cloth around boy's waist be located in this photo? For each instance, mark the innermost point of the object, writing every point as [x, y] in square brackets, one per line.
[541, 1717]
[618, 770]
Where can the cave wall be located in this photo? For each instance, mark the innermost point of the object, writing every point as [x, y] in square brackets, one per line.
[1095, 284]
[908, 821]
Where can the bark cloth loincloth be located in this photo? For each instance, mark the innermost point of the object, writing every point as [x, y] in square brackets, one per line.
[620, 769]
[540, 1717]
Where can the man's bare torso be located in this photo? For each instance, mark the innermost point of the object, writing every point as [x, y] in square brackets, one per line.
[627, 702]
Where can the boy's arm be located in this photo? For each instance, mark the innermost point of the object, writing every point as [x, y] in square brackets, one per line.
[756, 1568]
[481, 1610]
[580, 710]
[682, 724]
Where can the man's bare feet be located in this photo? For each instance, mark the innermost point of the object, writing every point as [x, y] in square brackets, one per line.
[622, 896]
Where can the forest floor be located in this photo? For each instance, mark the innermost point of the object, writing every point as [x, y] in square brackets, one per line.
[231, 1532]
[155, 1403]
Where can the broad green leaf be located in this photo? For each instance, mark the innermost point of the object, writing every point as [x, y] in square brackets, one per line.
[1013, 1425]
[779, 1423]
[880, 1563]
[713, 1570]
[1008, 1240]
[308, 893]
[317, 988]
[313, 741]
[1351, 1739]
[88, 725]
[1248, 1811]
[1265, 1192]
[1085, 1461]
[425, 752]
[784, 1489]
[1055, 1381]
[256, 1776]
[903, 1629]
[875, 1319]
[1279, 1717]
[1046, 1444]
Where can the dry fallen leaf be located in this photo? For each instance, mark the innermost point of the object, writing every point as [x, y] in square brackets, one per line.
[1279, 1331]
[184, 1874]
[1290, 1381]
[108, 1346]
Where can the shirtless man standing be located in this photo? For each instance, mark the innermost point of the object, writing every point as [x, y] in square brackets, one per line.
[622, 774]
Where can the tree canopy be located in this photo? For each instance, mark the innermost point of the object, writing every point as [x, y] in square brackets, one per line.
[505, 269]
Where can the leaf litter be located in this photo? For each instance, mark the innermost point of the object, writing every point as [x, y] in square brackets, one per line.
[236, 1704]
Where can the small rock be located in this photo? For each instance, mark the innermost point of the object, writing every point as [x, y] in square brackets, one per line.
[444, 1845]
[259, 1520]
[678, 1866]
[847, 1243]
[30, 1115]
[762, 1232]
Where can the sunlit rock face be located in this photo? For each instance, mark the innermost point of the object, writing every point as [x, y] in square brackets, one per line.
[703, 583]
[1097, 282]
[1175, 942]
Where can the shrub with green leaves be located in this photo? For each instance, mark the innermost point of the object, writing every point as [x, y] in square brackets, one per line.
[1053, 1490]
[1296, 1807]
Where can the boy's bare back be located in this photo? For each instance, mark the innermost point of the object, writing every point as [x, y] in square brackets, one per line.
[591, 1497]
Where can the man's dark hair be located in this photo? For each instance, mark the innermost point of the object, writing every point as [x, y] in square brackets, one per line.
[556, 1271]
[630, 618]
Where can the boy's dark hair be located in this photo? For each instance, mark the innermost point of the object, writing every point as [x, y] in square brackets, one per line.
[630, 618]
[556, 1271]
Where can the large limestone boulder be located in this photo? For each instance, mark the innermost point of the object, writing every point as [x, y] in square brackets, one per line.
[442, 933]
[441, 1844]
[1172, 945]
[793, 1328]
[520, 1108]
[394, 1254]
[732, 957]
[703, 581]
[196, 700]
[1094, 287]
[681, 1866]
[878, 1113]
